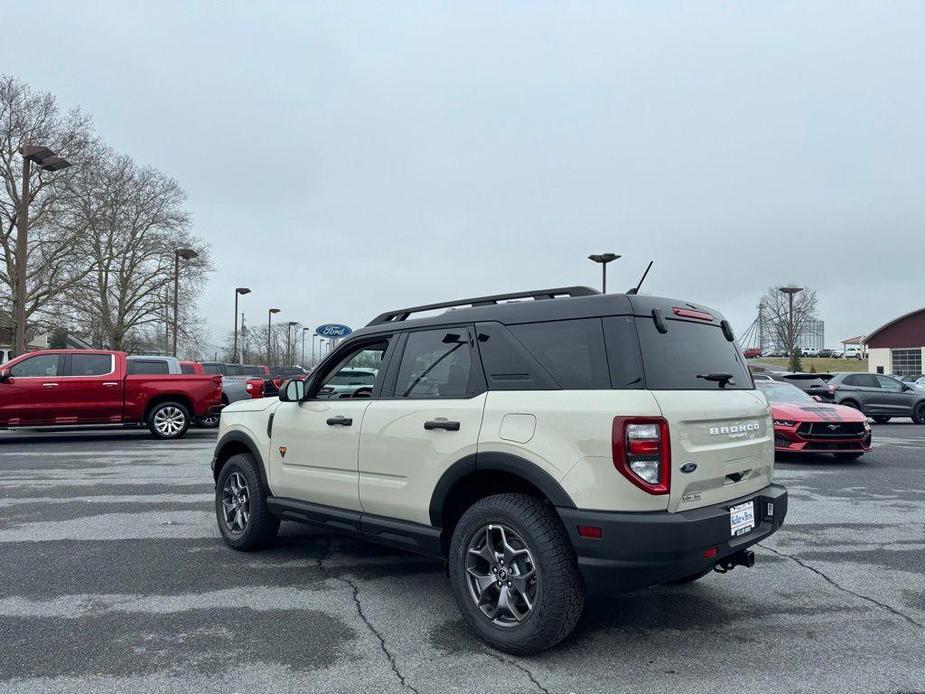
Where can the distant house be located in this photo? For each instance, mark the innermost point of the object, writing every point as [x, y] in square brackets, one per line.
[38, 342]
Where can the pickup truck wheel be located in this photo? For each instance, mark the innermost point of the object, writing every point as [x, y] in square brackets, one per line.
[514, 574]
[241, 506]
[168, 420]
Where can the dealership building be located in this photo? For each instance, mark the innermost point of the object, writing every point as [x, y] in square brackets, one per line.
[896, 348]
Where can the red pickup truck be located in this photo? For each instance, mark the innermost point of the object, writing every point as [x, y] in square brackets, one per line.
[72, 387]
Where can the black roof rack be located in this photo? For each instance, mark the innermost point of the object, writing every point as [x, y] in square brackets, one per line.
[537, 294]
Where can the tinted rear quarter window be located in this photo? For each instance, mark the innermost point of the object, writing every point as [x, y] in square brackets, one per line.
[673, 360]
[572, 351]
[187, 369]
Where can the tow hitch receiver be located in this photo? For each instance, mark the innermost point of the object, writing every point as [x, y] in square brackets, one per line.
[744, 558]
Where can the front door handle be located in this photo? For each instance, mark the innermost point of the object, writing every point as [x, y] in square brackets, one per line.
[343, 421]
[49, 385]
[110, 384]
[441, 424]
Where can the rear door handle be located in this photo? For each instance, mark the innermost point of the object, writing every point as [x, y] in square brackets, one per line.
[441, 424]
[110, 384]
[343, 421]
[49, 385]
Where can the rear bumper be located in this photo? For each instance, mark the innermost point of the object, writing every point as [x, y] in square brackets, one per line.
[644, 549]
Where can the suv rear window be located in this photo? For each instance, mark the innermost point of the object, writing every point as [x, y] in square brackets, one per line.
[673, 360]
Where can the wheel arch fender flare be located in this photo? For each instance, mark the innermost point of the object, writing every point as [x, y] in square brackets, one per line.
[234, 440]
[502, 462]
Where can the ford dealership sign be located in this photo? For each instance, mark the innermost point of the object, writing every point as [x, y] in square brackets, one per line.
[333, 330]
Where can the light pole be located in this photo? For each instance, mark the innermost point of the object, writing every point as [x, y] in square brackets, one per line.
[240, 291]
[46, 160]
[270, 335]
[314, 336]
[290, 345]
[186, 254]
[790, 291]
[302, 360]
[603, 259]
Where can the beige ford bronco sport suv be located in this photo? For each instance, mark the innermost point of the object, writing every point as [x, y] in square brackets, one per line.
[545, 444]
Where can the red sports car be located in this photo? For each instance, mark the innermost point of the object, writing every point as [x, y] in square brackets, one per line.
[803, 424]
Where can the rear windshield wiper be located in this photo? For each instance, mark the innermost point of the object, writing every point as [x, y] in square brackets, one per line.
[721, 378]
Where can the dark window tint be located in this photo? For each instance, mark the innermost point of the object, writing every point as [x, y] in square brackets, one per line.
[43, 365]
[148, 366]
[508, 364]
[623, 352]
[677, 359]
[435, 363]
[214, 369]
[187, 368]
[861, 381]
[90, 364]
[248, 370]
[571, 350]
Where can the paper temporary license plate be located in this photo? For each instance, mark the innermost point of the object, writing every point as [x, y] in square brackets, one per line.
[742, 518]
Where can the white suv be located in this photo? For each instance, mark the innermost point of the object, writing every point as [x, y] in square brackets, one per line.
[565, 442]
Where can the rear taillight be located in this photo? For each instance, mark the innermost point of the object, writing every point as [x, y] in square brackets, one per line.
[642, 452]
[254, 387]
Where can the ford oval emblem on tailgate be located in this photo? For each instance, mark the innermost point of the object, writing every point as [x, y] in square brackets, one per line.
[688, 467]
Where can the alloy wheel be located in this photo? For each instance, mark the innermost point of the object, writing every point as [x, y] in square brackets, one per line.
[236, 508]
[501, 575]
[169, 421]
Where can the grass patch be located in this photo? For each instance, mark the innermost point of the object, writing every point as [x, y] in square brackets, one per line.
[821, 365]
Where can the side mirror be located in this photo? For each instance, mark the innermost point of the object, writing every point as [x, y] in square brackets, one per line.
[292, 391]
[4, 375]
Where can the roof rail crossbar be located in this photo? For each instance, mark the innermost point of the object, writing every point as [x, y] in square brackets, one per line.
[537, 295]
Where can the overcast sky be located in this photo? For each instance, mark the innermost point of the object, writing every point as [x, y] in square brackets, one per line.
[347, 158]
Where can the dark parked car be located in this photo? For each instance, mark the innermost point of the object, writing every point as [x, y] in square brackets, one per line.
[811, 384]
[879, 396]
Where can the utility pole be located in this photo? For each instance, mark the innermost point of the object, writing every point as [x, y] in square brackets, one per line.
[238, 292]
[166, 321]
[790, 291]
[186, 254]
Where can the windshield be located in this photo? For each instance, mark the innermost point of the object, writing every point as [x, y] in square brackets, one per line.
[783, 392]
[684, 357]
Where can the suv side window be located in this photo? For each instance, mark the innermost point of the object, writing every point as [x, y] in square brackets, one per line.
[865, 381]
[571, 350]
[356, 374]
[887, 383]
[435, 364]
[43, 365]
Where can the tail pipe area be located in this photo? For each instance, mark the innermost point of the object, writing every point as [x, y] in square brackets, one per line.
[744, 558]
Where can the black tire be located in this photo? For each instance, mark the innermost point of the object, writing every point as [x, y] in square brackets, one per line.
[918, 414]
[169, 420]
[210, 421]
[689, 579]
[557, 588]
[259, 528]
[847, 457]
[881, 419]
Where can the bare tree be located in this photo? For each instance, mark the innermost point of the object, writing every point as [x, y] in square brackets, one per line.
[776, 313]
[133, 221]
[28, 117]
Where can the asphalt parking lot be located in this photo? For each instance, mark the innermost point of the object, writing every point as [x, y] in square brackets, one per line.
[113, 578]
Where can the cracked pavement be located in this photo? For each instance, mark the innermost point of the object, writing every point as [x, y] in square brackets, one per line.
[113, 578]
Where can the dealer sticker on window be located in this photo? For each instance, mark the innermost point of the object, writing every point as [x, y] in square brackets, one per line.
[742, 518]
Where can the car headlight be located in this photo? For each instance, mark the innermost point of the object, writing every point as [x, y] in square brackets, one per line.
[784, 423]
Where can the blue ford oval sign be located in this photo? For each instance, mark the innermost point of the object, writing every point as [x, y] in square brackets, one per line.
[333, 330]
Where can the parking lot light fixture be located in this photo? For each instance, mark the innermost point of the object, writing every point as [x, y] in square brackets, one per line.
[239, 291]
[302, 360]
[790, 291]
[603, 259]
[290, 346]
[46, 160]
[270, 334]
[186, 254]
